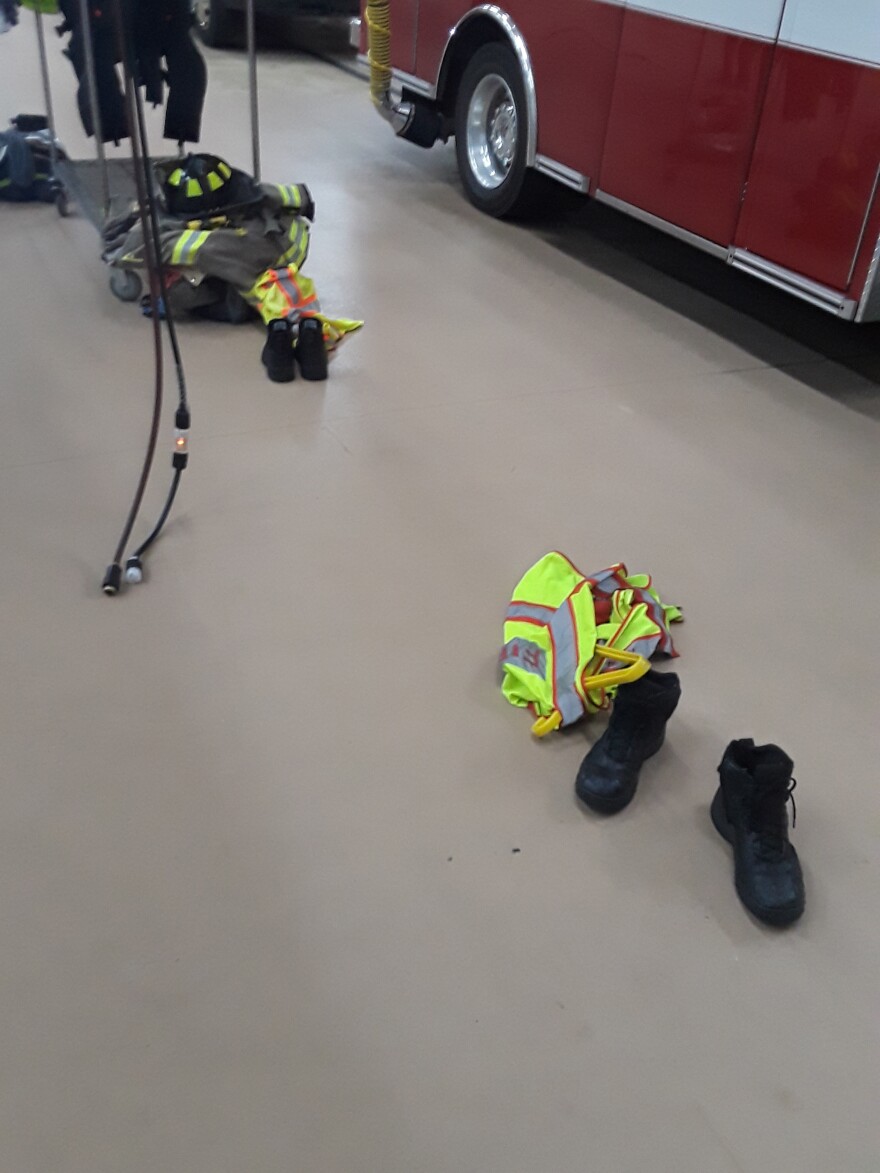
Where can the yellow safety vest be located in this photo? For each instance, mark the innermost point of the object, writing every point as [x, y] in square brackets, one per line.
[555, 648]
[285, 293]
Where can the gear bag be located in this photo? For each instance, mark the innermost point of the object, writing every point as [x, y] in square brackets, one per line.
[24, 169]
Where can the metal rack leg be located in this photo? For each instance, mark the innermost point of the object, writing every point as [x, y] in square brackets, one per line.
[92, 85]
[57, 186]
[251, 20]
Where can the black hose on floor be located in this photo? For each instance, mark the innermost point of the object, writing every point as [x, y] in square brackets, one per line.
[140, 155]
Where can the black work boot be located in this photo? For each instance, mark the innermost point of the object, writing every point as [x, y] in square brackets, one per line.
[311, 351]
[749, 811]
[609, 774]
[277, 354]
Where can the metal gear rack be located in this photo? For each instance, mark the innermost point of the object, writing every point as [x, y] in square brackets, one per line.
[96, 184]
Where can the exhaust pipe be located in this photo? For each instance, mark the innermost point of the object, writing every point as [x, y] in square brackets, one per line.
[414, 121]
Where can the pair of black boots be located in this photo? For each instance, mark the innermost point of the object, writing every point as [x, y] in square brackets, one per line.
[281, 353]
[749, 809]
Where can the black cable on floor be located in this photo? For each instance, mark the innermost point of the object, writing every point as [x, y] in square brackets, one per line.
[155, 271]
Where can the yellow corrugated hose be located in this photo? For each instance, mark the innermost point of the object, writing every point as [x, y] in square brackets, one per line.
[379, 49]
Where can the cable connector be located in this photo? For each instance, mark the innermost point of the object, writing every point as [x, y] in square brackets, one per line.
[112, 580]
[181, 438]
[134, 570]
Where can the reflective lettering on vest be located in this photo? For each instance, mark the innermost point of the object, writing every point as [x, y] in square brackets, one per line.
[526, 655]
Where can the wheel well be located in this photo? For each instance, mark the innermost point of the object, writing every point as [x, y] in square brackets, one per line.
[479, 31]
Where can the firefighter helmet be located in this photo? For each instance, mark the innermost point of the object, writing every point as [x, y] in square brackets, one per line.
[198, 184]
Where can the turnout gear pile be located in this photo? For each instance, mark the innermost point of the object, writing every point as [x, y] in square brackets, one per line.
[235, 245]
[253, 248]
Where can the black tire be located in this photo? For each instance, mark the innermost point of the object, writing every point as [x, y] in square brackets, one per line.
[215, 23]
[520, 191]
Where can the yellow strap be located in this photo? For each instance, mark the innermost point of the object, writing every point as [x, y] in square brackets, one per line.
[545, 725]
[637, 667]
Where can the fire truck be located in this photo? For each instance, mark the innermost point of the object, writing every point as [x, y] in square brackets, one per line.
[749, 128]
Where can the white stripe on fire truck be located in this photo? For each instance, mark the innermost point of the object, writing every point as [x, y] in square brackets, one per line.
[853, 30]
[813, 25]
[750, 18]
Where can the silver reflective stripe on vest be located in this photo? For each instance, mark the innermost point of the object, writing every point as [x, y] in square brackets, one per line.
[658, 615]
[598, 581]
[533, 611]
[565, 659]
[290, 289]
[644, 647]
[565, 665]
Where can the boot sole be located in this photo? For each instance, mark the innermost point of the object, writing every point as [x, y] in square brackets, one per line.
[611, 806]
[777, 918]
[278, 374]
[604, 806]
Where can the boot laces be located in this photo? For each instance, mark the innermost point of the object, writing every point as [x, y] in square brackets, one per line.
[768, 823]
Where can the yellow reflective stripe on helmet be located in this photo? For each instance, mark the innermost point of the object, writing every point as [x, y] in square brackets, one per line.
[214, 181]
[175, 177]
[193, 188]
[224, 169]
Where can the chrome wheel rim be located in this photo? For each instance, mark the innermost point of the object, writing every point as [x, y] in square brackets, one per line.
[492, 131]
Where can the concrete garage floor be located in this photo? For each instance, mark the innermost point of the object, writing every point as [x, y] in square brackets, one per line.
[262, 905]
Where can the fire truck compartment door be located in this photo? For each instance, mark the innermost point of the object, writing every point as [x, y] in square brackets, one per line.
[690, 84]
[813, 179]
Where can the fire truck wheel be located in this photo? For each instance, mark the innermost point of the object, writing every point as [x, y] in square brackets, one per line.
[491, 125]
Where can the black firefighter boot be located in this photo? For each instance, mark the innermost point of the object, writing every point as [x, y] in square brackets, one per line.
[277, 354]
[749, 811]
[311, 350]
[609, 774]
